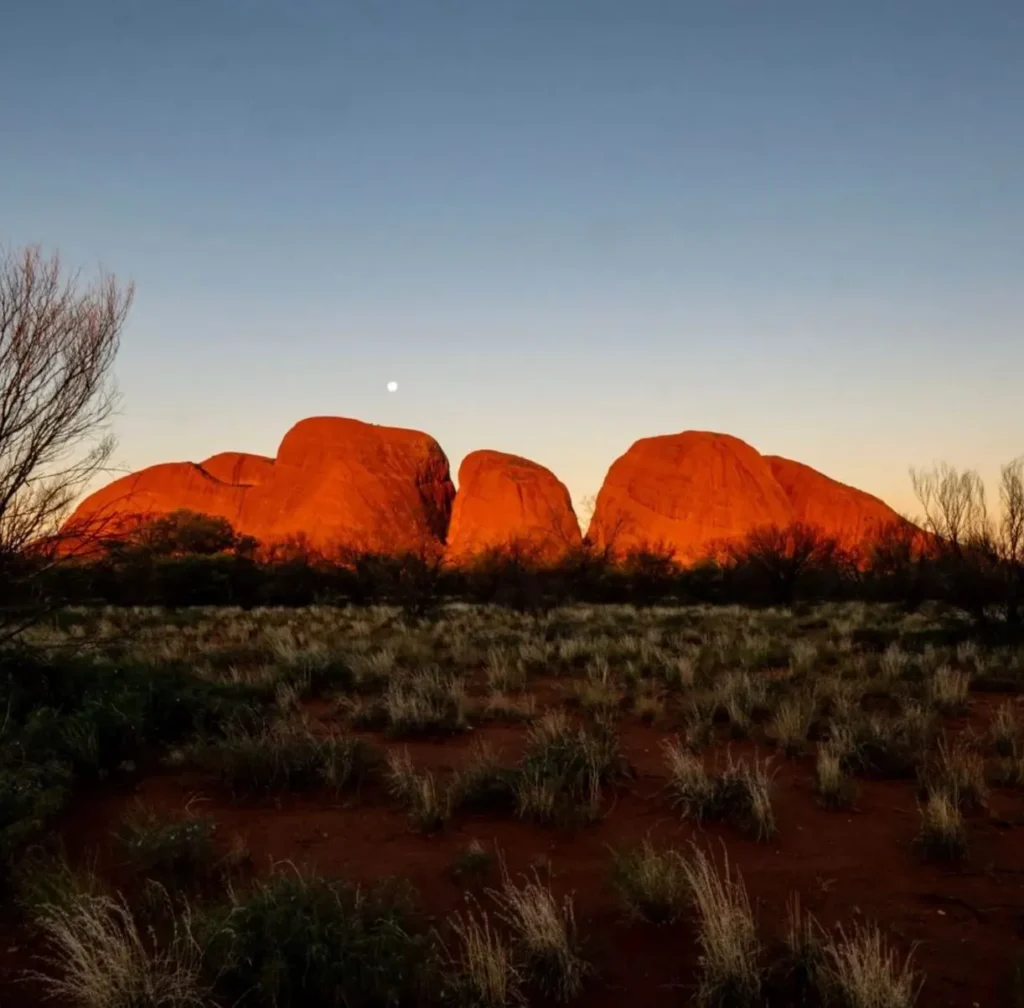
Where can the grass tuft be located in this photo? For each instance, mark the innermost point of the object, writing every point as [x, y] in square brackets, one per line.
[727, 934]
[652, 884]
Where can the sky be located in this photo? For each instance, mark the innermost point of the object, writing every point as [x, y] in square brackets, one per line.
[559, 225]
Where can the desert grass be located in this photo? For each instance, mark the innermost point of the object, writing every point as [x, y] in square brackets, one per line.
[885, 746]
[563, 770]
[427, 803]
[97, 955]
[502, 707]
[948, 689]
[482, 783]
[791, 723]
[739, 793]
[1005, 731]
[283, 755]
[958, 771]
[730, 952]
[833, 784]
[862, 970]
[942, 833]
[428, 702]
[544, 936]
[742, 697]
[804, 957]
[652, 884]
[483, 963]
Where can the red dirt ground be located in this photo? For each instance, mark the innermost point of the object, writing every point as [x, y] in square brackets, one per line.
[967, 921]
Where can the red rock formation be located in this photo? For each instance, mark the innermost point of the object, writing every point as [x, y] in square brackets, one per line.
[853, 517]
[507, 503]
[342, 482]
[694, 493]
[239, 468]
[157, 490]
[336, 483]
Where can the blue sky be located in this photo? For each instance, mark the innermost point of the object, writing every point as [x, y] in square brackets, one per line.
[560, 226]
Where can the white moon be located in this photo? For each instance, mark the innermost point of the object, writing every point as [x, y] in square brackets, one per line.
[392, 386]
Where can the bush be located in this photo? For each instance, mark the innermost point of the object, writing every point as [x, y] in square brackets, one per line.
[299, 941]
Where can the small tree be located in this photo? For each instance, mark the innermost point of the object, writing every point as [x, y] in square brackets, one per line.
[1011, 535]
[979, 562]
[58, 342]
[781, 557]
[184, 533]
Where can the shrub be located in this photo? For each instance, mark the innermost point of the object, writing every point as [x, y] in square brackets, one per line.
[297, 940]
[178, 850]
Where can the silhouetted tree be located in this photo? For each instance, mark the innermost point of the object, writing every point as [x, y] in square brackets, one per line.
[778, 558]
[58, 342]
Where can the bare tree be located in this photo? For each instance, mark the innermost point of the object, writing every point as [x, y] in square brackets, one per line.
[954, 504]
[58, 341]
[982, 561]
[1011, 534]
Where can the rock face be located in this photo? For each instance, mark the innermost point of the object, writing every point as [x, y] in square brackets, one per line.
[694, 493]
[507, 503]
[344, 482]
[239, 468]
[686, 492]
[341, 484]
[336, 483]
[157, 490]
[854, 517]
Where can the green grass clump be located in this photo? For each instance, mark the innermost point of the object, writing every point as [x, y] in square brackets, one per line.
[177, 850]
[283, 755]
[740, 793]
[297, 940]
[428, 804]
[562, 773]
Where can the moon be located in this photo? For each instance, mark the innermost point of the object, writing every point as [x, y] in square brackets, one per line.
[392, 386]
